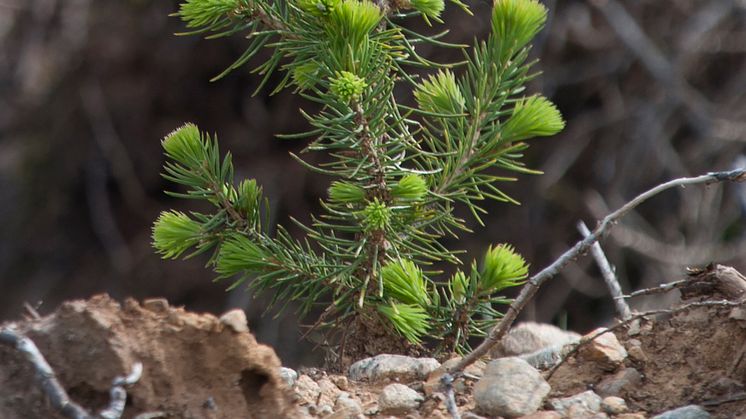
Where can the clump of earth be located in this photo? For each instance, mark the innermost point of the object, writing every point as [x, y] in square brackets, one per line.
[685, 365]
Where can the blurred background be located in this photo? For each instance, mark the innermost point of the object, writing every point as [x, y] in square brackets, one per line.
[651, 90]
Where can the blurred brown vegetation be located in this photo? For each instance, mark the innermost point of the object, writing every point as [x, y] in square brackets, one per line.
[651, 90]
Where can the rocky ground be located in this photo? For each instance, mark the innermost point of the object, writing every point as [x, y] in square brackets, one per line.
[688, 364]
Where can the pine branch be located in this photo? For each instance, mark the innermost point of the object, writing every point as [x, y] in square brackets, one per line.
[398, 179]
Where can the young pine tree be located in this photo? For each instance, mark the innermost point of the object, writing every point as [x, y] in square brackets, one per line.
[400, 170]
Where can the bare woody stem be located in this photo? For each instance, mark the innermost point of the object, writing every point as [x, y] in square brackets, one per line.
[53, 389]
[379, 190]
[581, 247]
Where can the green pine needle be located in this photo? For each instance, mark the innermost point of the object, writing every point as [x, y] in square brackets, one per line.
[440, 94]
[516, 22]
[534, 116]
[198, 13]
[186, 146]
[174, 233]
[411, 321]
[430, 8]
[404, 281]
[345, 192]
[238, 254]
[502, 267]
[410, 188]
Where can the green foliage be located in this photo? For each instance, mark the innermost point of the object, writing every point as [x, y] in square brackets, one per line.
[399, 172]
[410, 320]
[318, 8]
[404, 281]
[440, 94]
[345, 192]
[429, 8]
[502, 267]
[174, 233]
[535, 116]
[376, 216]
[410, 188]
[347, 86]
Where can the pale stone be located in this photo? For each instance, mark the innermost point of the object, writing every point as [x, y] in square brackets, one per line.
[636, 415]
[528, 337]
[544, 414]
[328, 392]
[686, 412]
[605, 350]
[511, 388]
[340, 381]
[614, 405]
[307, 390]
[397, 399]
[288, 376]
[346, 407]
[586, 402]
[236, 320]
[156, 305]
[392, 367]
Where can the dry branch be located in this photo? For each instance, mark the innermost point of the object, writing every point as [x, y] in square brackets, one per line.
[52, 388]
[447, 382]
[660, 289]
[582, 246]
[608, 274]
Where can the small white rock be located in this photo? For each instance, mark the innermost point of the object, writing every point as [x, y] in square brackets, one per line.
[393, 367]
[347, 407]
[586, 402]
[236, 320]
[614, 405]
[528, 337]
[397, 398]
[307, 390]
[511, 388]
[288, 376]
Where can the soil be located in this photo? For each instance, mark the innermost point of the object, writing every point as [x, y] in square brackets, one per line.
[201, 366]
[695, 357]
[195, 365]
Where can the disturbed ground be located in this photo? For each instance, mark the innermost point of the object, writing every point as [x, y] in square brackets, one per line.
[202, 366]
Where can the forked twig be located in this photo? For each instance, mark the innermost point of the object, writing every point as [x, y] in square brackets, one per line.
[582, 246]
[52, 388]
[608, 274]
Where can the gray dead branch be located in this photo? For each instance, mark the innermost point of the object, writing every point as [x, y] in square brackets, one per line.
[9, 335]
[580, 248]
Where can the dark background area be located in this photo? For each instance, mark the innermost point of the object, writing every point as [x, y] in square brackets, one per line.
[651, 90]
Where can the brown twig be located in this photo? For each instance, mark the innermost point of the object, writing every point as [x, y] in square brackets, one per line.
[536, 281]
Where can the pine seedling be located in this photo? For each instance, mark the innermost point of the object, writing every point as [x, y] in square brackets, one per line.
[401, 170]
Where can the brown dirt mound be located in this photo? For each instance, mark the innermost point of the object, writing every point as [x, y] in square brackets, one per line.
[694, 357]
[195, 365]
